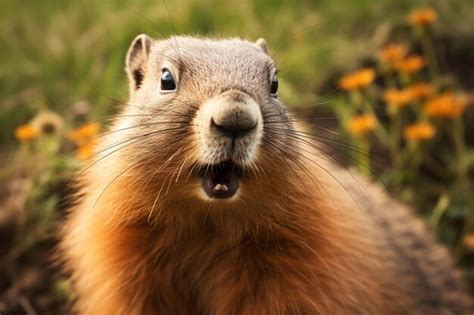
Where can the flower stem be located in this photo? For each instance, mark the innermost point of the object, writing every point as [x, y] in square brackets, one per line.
[428, 49]
[463, 180]
[364, 156]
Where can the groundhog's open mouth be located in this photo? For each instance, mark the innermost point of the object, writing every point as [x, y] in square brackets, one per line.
[221, 180]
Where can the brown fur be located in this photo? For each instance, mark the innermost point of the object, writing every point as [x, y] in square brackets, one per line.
[304, 236]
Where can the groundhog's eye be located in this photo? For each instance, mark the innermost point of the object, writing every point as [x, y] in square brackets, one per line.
[274, 85]
[167, 81]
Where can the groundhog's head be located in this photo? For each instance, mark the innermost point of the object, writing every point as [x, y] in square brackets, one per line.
[207, 118]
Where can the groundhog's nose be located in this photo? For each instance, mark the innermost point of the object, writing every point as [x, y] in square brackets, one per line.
[229, 126]
[236, 117]
[234, 124]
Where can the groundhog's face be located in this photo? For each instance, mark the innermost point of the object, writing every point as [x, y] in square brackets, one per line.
[211, 118]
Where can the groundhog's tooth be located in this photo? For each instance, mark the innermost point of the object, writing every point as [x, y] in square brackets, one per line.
[224, 187]
[218, 187]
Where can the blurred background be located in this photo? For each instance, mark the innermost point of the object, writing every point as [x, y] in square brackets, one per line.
[386, 85]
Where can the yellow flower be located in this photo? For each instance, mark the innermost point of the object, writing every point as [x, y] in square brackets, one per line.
[421, 90]
[422, 17]
[419, 131]
[393, 53]
[446, 105]
[410, 64]
[357, 80]
[26, 133]
[84, 133]
[48, 123]
[398, 98]
[361, 124]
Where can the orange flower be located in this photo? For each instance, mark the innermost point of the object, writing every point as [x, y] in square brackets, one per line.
[422, 17]
[410, 64]
[446, 105]
[398, 98]
[421, 90]
[26, 133]
[362, 124]
[419, 131]
[393, 53]
[468, 241]
[84, 133]
[83, 137]
[357, 80]
[85, 151]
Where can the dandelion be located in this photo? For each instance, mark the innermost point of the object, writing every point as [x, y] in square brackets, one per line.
[393, 53]
[26, 133]
[410, 64]
[421, 90]
[84, 133]
[48, 123]
[446, 105]
[357, 80]
[419, 131]
[398, 98]
[422, 17]
[362, 124]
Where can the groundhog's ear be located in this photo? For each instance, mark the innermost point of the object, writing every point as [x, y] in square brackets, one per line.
[137, 58]
[262, 44]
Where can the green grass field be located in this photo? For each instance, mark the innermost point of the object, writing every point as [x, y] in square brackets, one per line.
[56, 53]
[68, 56]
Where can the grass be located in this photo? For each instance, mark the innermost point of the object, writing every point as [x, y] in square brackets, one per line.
[68, 57]
[56, 53]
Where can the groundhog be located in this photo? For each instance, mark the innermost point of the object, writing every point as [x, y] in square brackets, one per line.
[205, 197]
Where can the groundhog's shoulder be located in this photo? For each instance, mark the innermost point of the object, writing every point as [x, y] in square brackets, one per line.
[408, 248]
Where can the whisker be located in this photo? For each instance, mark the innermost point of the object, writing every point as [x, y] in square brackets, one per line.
[138, 126]
[302, 29]
[282, 161]
[156, 29]
[293, 120]
[112, 145]
[111, 117]
[319, 183]
[156, 199]
[172, 25]
[95, 138]
[328, 154]
[296, 162]
[130, 141]
[314, 145]
[113, 180]
[150, 178]
[113, 100]
[162, 185]
[181, 168]
[337, 145]
[328, 157]
[321, 138]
